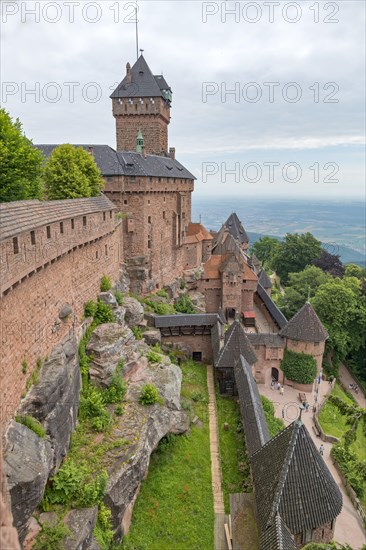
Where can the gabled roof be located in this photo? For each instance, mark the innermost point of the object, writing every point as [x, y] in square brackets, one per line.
[277, 536]
[129, 163]
[306, 326]
[19, 216]
[142, 84]
[275, 313]
[196, 233]
[225, 243]
[236, 344]
[212, 267]
[252, 415]
[215, 340]
[264, 280]
[236, 229]
[292, 479]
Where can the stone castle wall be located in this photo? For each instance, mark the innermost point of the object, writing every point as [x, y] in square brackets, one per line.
[30, 323]
[152, 118]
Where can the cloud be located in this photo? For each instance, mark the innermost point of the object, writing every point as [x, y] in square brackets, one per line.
[324, 60]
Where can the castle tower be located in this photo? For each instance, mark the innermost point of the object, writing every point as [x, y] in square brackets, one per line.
[141, 103]
[305, 333]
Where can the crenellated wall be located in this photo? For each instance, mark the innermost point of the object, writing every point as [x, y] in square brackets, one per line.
[46, 284]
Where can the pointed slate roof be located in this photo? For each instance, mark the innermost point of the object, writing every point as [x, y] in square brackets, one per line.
[292, 479]
[264, 280]
[236, 228]
[305, 325]
[142, 84]
[277, 537]
[275, 313]
[236, 344]
[251, 410]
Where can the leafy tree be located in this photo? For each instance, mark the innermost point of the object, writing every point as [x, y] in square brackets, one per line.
[184, 304]
[330, 263]
[341, 307]
[354, 414]
[265, 249]
[300, 287]
[295, 253]
[20, 162]
[354, 270]
[299, 367]
[71, 173]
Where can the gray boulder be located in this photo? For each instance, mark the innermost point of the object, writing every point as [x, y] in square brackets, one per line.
[108, 298]
[134, 312]
[152, 337]
[119, 314]
[65, 312]
[28, 460]
[54, 400]
[81, 524]
[109, 344]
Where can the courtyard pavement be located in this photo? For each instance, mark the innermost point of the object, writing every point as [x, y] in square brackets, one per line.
[349, 528]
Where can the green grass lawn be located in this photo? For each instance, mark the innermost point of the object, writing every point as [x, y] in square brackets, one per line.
[174, 509]
[334, 423]
[234, 460]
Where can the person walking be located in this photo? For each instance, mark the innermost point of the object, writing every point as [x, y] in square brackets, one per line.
[272, 385]
[321, 449]
[282, 390]
[278, 386]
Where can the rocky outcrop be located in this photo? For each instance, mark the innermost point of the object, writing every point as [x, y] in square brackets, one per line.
[54, 400]
[144, 427]
[65, 312]
[134, 312]
[108, 298]
[152, 337]
[109, 344]
[81, 524]
[28, 460]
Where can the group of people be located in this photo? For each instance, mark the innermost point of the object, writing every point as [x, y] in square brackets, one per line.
[353, 387]
[280, 388]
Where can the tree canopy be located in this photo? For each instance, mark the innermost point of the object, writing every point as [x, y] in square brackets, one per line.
[354, 270]
[341, 306]
[295, 253]
[20, 162]
[299, 367]
[330, 263]
[265, 249]
[71, 173]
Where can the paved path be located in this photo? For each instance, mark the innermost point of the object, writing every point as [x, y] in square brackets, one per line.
[214, 445]
[347, 379]
[349, 528]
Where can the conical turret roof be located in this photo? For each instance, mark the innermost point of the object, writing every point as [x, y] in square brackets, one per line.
[306, 326]
[140, 82]
[292, 479]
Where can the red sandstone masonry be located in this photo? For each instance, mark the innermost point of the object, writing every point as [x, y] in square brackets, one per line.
[29, 323]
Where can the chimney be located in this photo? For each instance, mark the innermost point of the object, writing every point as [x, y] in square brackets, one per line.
[143, 152]
[91, 150]
[172, 153]
[128, 72]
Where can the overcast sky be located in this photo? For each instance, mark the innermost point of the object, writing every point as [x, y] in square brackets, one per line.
[312, 52]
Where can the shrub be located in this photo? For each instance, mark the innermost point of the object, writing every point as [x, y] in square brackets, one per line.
[119, 410]
[351, 467]
[149, 394]
[299, 367]
[92, 406]
[116, 390]
[103, 314]
[158, 307]
[105, 284]
[33, 424]
[153, 356]
[75, 484]
[51, 537]
[275, 425]
[163, 294]
[119, 297]
[137, 332]
[24, 366]
[90, 309]
[184, 304]
[103, 531]
[182, 284]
